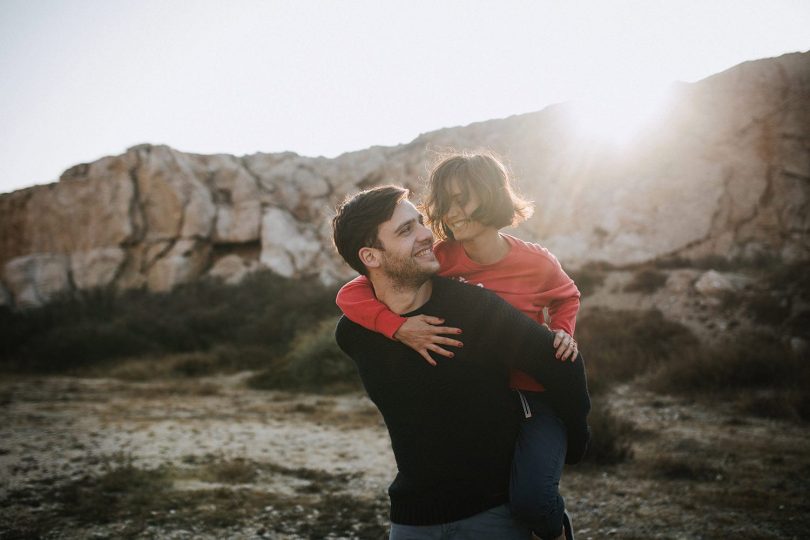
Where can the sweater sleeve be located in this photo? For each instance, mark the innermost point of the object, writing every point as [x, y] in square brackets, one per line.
[357, 301]
[523, 344]
[561, 296]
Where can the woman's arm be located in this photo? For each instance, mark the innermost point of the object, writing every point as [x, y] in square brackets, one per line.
[421, 333]
[357, 301]
[561, 297]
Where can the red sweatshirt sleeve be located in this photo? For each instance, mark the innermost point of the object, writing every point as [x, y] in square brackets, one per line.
[562, 299]
[357, 301]
[563, 312]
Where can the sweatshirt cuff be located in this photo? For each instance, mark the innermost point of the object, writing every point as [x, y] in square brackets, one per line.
[388, 323]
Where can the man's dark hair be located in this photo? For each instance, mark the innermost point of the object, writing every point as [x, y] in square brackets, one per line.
[358, 220]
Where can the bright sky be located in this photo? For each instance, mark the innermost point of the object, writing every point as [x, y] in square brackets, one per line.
[81, 79]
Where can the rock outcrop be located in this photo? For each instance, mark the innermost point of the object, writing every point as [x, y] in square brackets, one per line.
[725, 171]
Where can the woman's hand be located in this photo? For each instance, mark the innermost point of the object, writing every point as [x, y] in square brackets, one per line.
[422, 333]
[565, 344]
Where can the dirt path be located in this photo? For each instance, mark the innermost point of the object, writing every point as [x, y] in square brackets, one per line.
[306, 466]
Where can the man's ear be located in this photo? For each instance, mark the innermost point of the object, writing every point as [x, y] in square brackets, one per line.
[370, 257]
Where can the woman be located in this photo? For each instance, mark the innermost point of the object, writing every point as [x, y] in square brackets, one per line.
[470, 198]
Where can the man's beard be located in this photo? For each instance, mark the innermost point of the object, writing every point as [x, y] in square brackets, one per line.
[405, 272]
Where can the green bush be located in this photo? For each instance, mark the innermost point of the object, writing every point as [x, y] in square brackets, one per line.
[86, 328]
[314, 363]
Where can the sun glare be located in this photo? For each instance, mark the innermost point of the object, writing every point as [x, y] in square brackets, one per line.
[617, 119]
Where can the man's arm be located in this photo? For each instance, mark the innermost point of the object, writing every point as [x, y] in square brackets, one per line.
[521, 343]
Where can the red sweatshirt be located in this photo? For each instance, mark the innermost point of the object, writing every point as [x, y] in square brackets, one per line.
[529, 277]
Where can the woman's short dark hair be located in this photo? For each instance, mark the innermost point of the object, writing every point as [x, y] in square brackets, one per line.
[357, 221]
[481, 173]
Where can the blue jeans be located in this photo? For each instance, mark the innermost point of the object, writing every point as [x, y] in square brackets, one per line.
[495, 523]
[536, 469]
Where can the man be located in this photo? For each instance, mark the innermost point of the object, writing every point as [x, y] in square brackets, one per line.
[452, 426]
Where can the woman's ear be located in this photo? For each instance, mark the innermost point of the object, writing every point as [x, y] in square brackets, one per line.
[370, 257]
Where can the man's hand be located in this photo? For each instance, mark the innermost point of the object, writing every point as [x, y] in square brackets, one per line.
[565, 344]
[422, 333]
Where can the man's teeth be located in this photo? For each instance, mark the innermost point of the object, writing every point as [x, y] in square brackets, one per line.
[423, 252]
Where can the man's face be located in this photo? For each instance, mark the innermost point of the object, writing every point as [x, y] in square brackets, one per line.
[407, 255]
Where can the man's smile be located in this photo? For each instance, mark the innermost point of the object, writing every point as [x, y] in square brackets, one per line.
[424, 252]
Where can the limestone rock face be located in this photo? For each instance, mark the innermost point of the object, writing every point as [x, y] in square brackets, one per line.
[183, 261]
[288, 248]
[232, 269]
[35, 279]
[97, 267]
[724, 170]
[237, 199]
[88, 208]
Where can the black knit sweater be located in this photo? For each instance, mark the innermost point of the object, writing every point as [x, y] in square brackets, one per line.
[453, 426]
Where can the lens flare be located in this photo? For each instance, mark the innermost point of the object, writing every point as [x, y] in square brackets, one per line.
[618, 119]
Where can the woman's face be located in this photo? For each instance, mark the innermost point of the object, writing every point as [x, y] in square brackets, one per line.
[457, 218]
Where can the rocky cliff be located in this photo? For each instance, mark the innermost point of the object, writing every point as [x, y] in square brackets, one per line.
[725, 170]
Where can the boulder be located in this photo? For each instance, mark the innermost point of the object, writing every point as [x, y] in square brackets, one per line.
[715, 284]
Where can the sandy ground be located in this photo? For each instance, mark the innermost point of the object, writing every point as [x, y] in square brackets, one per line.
[697, 472]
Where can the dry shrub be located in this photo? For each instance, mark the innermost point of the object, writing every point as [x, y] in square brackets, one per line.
[646, 280]
[139, 500]
[611, 436]
[685, 468]
[589, 278]
[121, 491]
[768, 307]
[788, 403]
[740, 370]
[231, 471]
[619, 345]
[220, 359]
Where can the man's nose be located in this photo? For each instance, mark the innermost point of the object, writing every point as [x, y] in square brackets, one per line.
[424, 233]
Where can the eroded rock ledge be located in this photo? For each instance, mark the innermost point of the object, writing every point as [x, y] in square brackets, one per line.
[725, 171]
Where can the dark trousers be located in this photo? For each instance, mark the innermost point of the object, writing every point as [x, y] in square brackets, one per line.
[536, 469]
